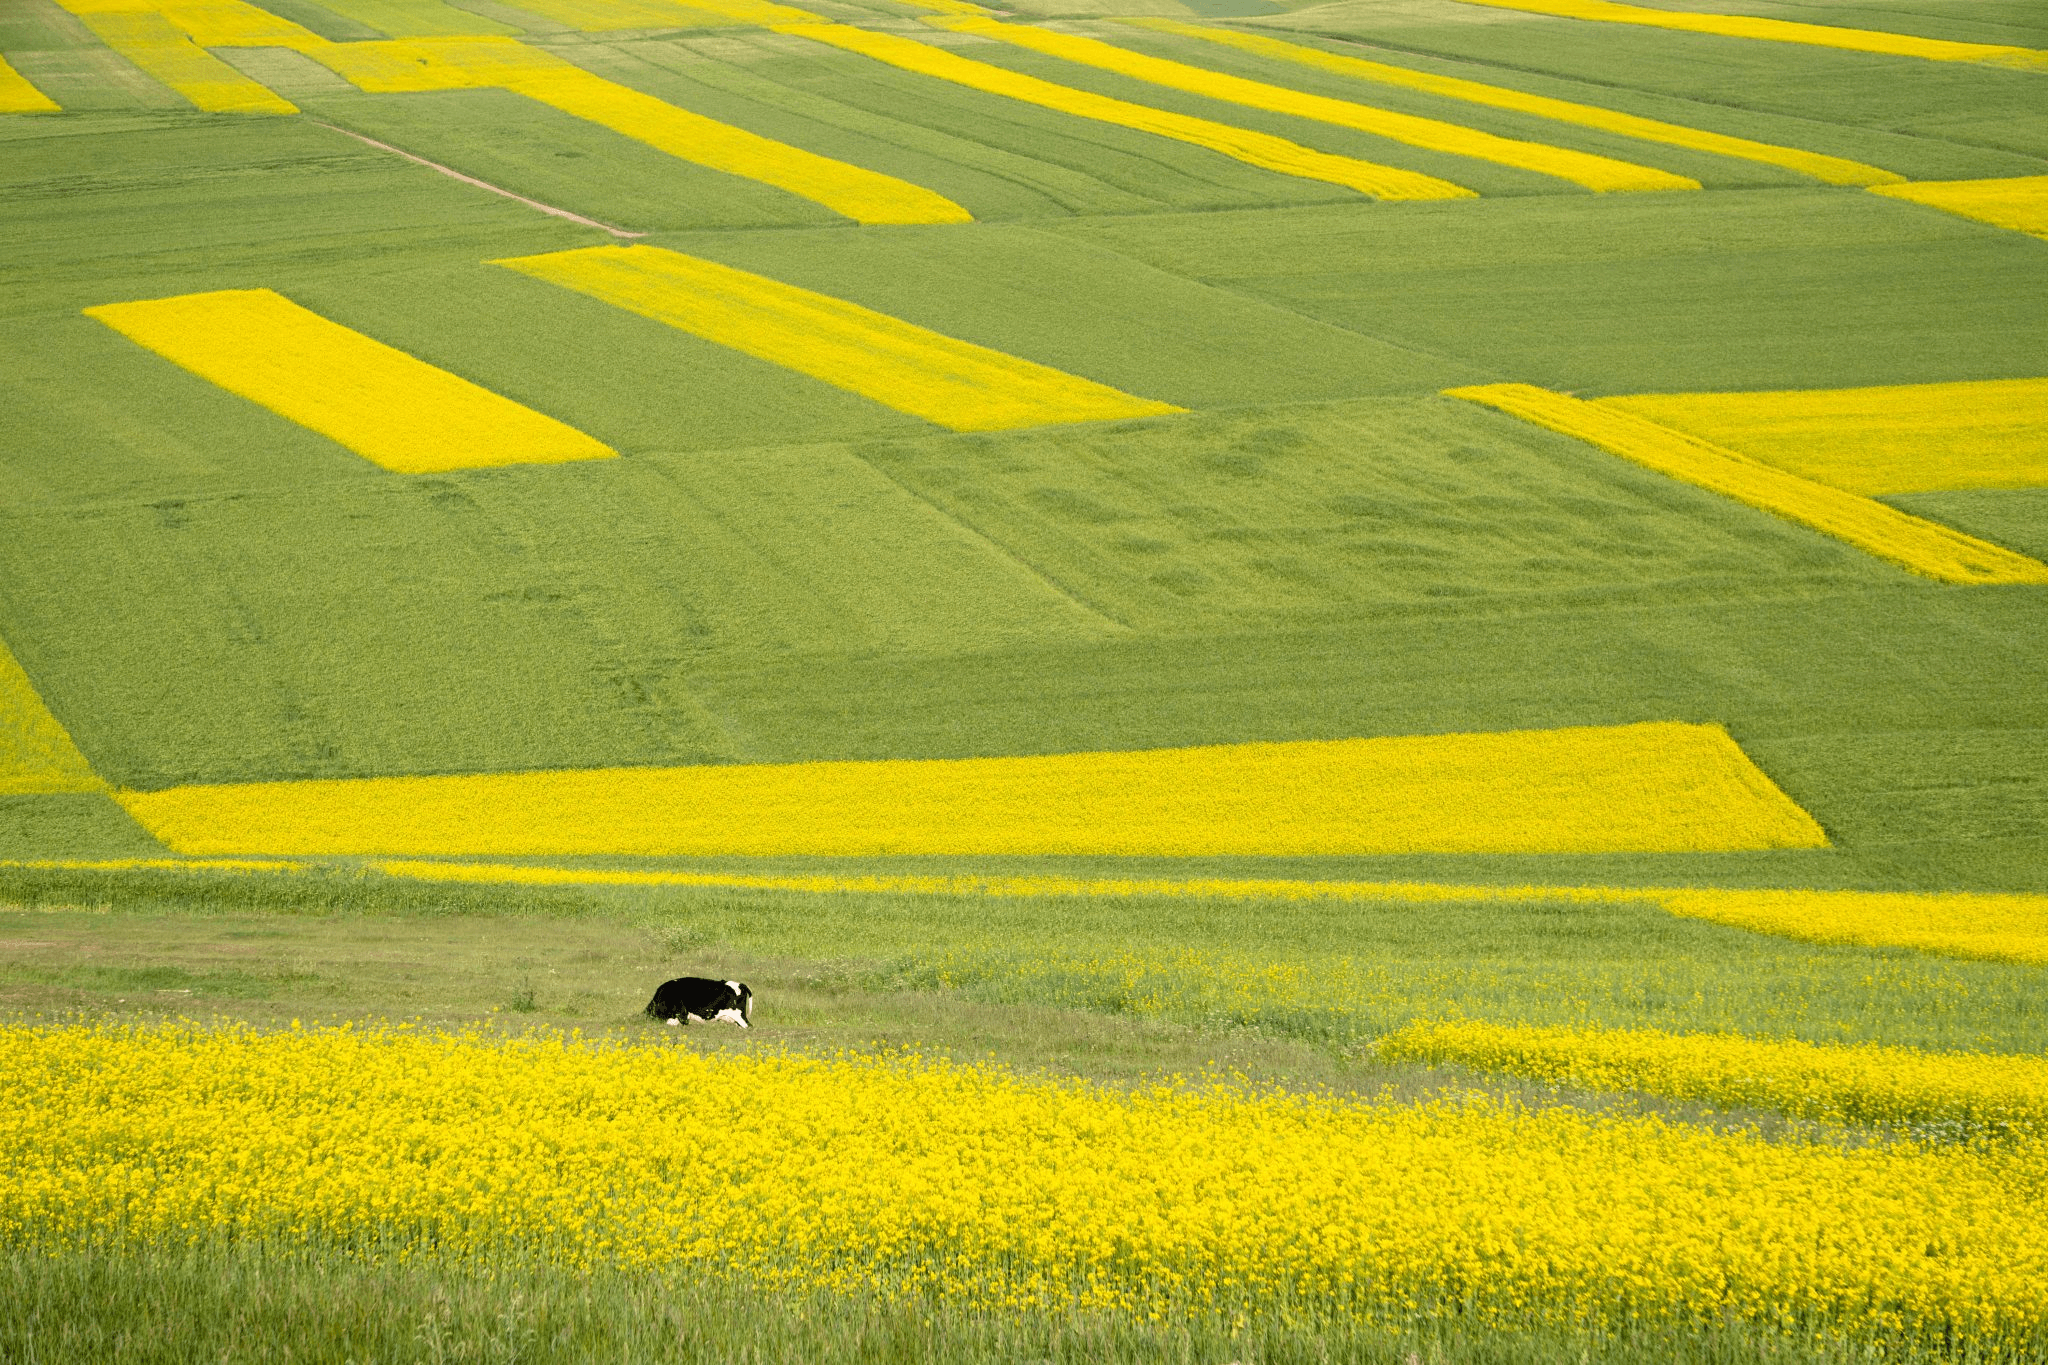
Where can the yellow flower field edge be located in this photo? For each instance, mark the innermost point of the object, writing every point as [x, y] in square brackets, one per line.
[1598, 173]
[905, 1176]
[483, 61]
[2009, 927]
[1989, 926]
[2019, 203]
[955, 384]
[867, 197]
[1632, 788]
[1922, 546]
[1831, 170]
[1783, 31]
[1901, 438]
[18, 96]
[1243, 144]
[160, 48]
[37, 755]
[385, 405]
[1951, 1093]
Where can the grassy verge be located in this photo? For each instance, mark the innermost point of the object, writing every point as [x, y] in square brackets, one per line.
[1326, 975]
[241, 1303]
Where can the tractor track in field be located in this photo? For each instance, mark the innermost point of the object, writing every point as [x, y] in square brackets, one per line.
[454, 174]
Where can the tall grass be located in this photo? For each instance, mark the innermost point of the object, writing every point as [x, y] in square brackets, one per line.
[222, 1301]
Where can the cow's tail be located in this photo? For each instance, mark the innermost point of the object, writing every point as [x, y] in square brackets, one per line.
[746, 1006]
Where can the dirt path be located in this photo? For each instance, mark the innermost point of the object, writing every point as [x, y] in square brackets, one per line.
[454, 174]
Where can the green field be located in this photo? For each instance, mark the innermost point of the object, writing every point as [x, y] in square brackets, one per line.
[1322, 545]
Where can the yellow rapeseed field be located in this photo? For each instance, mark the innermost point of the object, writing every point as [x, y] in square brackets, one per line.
[865, 196]
[2002, 926]
[901, 1176]
[1833, 170]
[956, 384]
[463, 62]
[2019, 203]
[1253, 148]
[1911, 542]
[140, 32]
[402, 413]
[18, 96]
[1661, 787]
[1902, 438]
[1966, 1092]
[1599, 173]
[36, 752]
[1783, 31]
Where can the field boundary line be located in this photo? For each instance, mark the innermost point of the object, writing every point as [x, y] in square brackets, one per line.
[1831, 170]
[1601, 174]
[1834, 1082]
[454, 174]
[159, 47]
[1253, 148]
[1649, 787]
[38, 757]
[1913, 543]
[178, 38]
[18, 95]
[2019, 202]
[1876, 440]
[951, 383]
[1995, 926]
[387, 405]
[1878, 41]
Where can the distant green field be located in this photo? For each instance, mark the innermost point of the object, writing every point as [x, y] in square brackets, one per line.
[1314, 541]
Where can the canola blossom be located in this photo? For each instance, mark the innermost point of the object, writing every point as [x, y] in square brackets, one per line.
[2019, 203]
[1901, 438]
[901, 1176]
[1599, 173]
[385, 405]
[36, 752]
[866, 197]
[1650, 787]
[2000, 926]
[1911, 542]
[1243, 144]
[1783, 31]
[19, 96]
[164, 51]
[1833, 170]
[1969, 1092]
[466, 62]
[955, 384]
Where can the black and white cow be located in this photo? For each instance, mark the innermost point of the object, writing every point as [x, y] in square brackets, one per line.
[699, 997]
